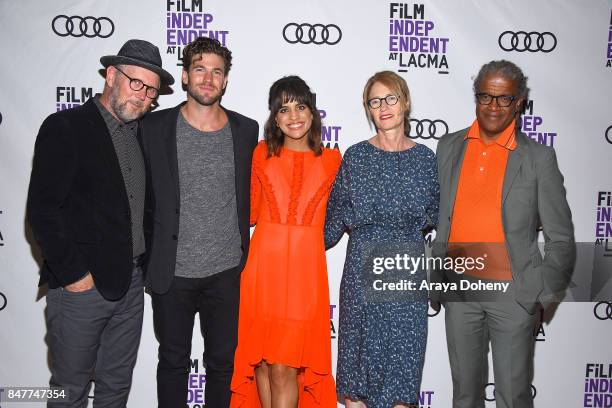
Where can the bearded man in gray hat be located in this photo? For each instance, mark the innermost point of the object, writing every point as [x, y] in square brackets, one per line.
[86, 207]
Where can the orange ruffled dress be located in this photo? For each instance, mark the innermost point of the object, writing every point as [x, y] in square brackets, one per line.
[284, 293]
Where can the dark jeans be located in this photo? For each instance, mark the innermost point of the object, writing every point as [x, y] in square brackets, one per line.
[216, 299]
[91, 337]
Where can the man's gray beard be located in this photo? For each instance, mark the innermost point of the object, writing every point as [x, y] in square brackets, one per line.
[120, 109]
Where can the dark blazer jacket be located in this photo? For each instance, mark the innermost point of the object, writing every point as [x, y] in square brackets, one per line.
[77, 204]
[532, 195]
[159, 141]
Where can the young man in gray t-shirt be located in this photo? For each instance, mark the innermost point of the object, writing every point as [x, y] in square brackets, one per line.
[200, 159]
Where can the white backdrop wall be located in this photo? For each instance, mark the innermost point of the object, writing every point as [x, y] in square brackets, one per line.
[47, 64]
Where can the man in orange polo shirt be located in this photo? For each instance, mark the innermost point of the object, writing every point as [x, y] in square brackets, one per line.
[496, 188]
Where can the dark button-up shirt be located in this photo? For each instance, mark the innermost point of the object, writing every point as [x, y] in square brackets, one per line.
[131, 162]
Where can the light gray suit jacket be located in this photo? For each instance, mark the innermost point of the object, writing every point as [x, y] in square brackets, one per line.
[532, 195]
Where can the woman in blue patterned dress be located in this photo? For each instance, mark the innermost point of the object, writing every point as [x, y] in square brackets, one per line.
[386, 191]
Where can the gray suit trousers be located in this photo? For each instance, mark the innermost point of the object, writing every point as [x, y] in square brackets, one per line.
[470, 326]
[91, 338]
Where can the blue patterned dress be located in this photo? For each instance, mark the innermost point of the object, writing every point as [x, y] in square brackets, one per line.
[380, 196]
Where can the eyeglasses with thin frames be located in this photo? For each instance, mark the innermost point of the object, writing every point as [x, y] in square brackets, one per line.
[137, 85]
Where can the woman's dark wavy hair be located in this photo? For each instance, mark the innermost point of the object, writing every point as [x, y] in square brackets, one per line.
[291, 89]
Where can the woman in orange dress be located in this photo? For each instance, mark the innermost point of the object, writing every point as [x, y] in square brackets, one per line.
[283, 358]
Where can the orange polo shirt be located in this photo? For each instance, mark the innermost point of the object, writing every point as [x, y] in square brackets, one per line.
[477, 213]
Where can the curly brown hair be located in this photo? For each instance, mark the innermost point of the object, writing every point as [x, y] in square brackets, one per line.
[291, 89]
[205, 45]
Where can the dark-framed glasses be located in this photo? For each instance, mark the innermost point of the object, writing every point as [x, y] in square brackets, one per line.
[503, 101]
[375, 103]
[137, 85]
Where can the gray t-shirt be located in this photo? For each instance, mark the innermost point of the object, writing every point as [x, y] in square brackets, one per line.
[209, 238]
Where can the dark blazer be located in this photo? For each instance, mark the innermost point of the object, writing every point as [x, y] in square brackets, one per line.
[532, 195]
[159, 141]
[77, 204]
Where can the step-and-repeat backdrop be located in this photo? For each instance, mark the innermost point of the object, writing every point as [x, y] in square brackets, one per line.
[50, 61]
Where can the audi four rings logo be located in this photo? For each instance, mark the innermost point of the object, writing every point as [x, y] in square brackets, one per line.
[427, 128]
[318, 34]
[88, 26]
[609, 134]
[603, 310]
[522, 41]
[2, 301]
[491, 396]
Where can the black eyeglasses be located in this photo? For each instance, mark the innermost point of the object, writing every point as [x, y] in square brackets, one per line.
[375, 103]
[503, 101]
[137, 85]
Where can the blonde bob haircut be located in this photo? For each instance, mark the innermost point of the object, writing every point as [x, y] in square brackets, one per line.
[398, 87]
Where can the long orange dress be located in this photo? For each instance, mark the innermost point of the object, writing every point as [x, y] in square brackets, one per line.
[284, 293]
